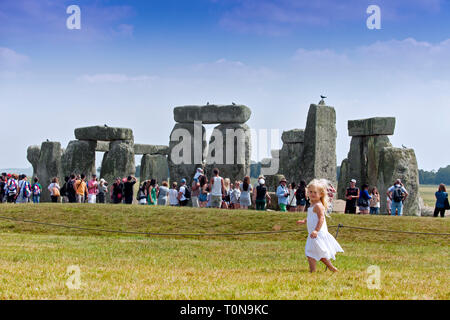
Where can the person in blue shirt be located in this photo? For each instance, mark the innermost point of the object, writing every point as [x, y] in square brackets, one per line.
[397, 194]
[440, 195]
[363, 200]
[283, 195]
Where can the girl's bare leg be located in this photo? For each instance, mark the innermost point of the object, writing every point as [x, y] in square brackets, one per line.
[312, 264]
[329, 264]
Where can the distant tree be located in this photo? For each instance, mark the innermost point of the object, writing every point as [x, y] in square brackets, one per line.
[427, 177]
[443, 176]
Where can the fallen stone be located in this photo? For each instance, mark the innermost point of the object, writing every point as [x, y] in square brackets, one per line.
[102, 133]
[372, 126]
[211, 114]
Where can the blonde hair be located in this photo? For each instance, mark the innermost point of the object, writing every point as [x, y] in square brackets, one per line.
[321, 186]
[227, 183]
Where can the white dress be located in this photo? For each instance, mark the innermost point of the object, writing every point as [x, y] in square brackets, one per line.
[325, 245]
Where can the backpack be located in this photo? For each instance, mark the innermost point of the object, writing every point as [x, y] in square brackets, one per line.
[69, 189]
[397, 194]
[187, 193]
[12, 187]
[26, 189]
[36, 190]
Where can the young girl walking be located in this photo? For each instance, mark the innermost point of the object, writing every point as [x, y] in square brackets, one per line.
[320, 245]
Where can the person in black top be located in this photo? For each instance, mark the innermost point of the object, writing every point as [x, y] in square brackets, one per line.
[300, 196]
[128, 189]
[70, 189]
[117, 191]
[2, 187]
[261, 194]
[351, 196]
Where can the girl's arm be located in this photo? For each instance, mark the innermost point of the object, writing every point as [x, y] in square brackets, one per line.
[319, 210]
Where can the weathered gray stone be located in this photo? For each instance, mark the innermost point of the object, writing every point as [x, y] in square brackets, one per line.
[79, 158]
[154, 167]
[186, 151]
[362, 162]
[211, 114]
[319, 153]
[291, 161]
[398, 163]
[103, 133]
[102, 146]
[49, 166]
[372, 126]
[293, 136]
[118, 161]
[150, 149]
[273, 181]
[33, 154]
[234, 141]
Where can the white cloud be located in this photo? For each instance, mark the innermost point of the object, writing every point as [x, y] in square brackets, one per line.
[114, 78]
[10, 59]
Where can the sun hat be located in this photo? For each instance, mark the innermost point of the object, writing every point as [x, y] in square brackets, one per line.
[353, 180]
[283, 180]
[183, 180]
[261, 181]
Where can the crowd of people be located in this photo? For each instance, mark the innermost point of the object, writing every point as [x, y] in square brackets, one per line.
[204, 192]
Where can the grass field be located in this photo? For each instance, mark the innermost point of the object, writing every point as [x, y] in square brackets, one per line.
[427, 193]
[34, 258]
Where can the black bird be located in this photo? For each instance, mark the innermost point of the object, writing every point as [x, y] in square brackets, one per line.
[323, 97]
[106, 126]
[233, 103]
[48, 140]
[403, 146]
[207, 103]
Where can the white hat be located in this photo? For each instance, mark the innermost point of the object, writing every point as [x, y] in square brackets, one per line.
[353, 180]
[261, 181]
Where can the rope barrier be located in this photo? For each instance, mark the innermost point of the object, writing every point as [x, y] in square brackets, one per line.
[211, 234]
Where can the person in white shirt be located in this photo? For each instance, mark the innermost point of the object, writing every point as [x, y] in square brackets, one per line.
[173, 195]
[217, 189]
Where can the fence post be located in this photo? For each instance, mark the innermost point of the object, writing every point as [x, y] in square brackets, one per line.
[337, 231]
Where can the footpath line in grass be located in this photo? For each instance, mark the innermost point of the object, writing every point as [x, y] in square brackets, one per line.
[212, 234]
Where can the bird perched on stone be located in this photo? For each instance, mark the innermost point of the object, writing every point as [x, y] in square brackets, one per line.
[207, 103]
[106, 126]
[48, 140]
[323, 97]
[403, 146]
[233, 103]
[322, 101]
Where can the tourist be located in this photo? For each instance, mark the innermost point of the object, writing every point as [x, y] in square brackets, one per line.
[195, 187]
[398, 194]
[283, 195]
[246, 189]
[173, 195]
[102, 190]
[54, 190]
[63, 191]
[142, 193]
[388, 205]
[203, 196]
[441, 201]
[151, 193]
[128, 190]
[235, 195]
[183, 194]
[261, 196]
[226, 198]
[301, 196]
[292, 200]
[24, 190]
[331, 192]
[92, 189]
[81, 189]
[36, 190]
[117, 191]
[374, 201]
[11, 188]
[320, 244]
[71, 191]
[3, 187]
[217, 189]
[163, 194]
[351, 196]
[364, 200]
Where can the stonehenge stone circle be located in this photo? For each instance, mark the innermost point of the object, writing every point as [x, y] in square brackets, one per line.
[102, 133]
[212, 114]
[319, 152]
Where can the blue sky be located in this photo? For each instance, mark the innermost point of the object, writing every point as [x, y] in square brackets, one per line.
[133, 61]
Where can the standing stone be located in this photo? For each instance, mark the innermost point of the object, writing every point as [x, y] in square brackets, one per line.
[291, 154]
[397, 163]
[154, 167]
[49, 167]
[319, 153]
[186, 138]
[119, 161]
[33, 154]
[79, 158]
[230, 150]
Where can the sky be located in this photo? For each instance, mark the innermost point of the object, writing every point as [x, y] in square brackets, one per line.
[132, 62]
